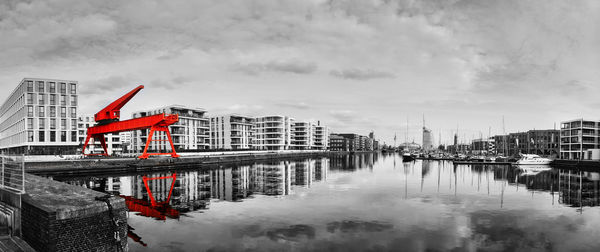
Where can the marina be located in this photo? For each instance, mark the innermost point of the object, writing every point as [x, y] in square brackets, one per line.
[301, 204]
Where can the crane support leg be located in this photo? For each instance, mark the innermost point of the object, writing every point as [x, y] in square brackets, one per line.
[153, 129]
[173, 153]
[94, 138]
[87, 140]
[103, 143]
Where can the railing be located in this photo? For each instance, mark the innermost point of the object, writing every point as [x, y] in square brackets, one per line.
[13, 172]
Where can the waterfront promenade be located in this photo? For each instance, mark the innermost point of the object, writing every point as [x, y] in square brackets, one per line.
[99, 165]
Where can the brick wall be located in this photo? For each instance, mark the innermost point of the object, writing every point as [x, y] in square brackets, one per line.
[44, 232]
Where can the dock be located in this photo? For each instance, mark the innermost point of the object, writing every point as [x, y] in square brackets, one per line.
[481, 163]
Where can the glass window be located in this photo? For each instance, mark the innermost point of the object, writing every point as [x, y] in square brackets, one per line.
[73, 112]
[52, 136]
[73, 136]
[52, 99]
[63, 100]
[29, 86]
[42, 99]
[42, 123]
[30, 98]
[52, 87]
[63, 124]
[41, 111]
[30, 136]
[52, 111]
[73, 100]
[40, 85]
[73, 88]
[30, 111]
[63, 136]
[63, 88]
[41, 136]
[30, 123]
[52, 123]
[73, 124]
[63, 111]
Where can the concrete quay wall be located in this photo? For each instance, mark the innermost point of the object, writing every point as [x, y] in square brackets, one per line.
[590, 165]
[59, 217]
[127, 165]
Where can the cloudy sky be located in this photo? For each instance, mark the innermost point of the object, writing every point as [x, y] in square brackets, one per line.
[356, 65]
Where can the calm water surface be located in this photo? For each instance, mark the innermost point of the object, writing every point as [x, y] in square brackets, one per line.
[369, 202]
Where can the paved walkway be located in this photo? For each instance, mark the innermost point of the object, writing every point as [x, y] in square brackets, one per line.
[13, 243]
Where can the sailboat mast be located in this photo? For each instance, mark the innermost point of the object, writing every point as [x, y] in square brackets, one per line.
[504, 137]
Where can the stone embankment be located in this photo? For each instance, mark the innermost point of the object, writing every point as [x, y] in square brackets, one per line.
[96, 165]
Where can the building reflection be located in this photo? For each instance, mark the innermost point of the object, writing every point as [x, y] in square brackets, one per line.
[193, 190]
[358, 161]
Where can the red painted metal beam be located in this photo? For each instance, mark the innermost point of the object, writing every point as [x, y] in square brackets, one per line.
[112, 112]
[134, 124]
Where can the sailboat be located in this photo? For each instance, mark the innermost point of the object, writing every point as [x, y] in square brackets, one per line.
[406, 155]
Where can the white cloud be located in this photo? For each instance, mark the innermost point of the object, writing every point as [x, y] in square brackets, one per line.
[215, 53]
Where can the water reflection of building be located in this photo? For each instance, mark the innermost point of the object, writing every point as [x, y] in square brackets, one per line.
[231, 184]
[190, 188]
[342, 162]
[272, 178]
[579, 188]
[193, 189]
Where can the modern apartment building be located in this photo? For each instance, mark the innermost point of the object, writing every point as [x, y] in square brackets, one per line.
[354, 141]
[113, 141]
[231, 132]
[338, 143]
[190, 133]
[272, 132]
[302, 135]
[482, 146]
[126, 141]
[320, 137]
[578, 137]
[39, 117]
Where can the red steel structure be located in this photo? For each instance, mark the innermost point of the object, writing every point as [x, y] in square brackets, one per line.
[158, 210]
[107, 121]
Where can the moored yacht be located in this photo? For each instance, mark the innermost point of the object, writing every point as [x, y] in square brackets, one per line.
[532, 159]
[407, 157]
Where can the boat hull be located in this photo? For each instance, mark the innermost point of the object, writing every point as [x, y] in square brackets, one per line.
[533, 162]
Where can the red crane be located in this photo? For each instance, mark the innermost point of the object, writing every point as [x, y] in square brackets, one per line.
[107, 121]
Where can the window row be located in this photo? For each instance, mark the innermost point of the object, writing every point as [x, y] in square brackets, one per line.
[52, 123]
[41, 99]
[51, 87]
[53, 136]
[40, 111]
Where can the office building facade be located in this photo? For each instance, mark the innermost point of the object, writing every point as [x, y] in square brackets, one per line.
[39, 117]
[190, 133]
[231, 132]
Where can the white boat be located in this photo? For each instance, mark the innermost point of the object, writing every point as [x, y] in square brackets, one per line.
[532, 159]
